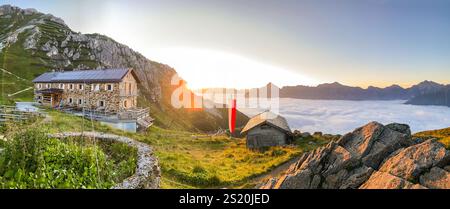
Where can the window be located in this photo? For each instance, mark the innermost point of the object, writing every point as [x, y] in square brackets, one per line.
[95, 87]
[125, 104]
[71, 86]
[70, 100]
[61, 86]
[47, 85]
[80, 101]
[80, 86]
[109, 87]
[101, 103]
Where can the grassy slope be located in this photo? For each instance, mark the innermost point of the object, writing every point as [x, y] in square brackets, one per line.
[191, 160]
[30, 63]
[443, 135]
[31, 160]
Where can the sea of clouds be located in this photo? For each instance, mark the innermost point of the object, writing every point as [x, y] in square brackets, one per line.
[340, 117]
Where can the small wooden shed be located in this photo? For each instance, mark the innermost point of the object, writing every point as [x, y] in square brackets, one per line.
[265, 130]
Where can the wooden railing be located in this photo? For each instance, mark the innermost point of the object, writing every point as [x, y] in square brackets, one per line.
[133, 114]
[12, 114]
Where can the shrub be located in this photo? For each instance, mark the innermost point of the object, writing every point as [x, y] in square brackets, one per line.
[33, 160]
[198, 169]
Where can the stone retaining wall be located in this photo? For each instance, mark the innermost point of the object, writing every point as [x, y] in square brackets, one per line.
[147, 174]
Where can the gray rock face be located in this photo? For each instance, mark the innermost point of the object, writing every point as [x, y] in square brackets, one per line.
[411, 162]
[436, 179]
[371, 157]
[402, 128]
[382, 180]
[66, 48]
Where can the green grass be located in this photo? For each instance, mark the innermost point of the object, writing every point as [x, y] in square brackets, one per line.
[195, 160]
[30, 159]
[443, 135]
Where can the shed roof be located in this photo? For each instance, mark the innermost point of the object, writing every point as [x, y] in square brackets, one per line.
[267, 118]
[105, 75]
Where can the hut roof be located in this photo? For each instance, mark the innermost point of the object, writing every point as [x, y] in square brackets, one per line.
[81, 76]
[267, 118]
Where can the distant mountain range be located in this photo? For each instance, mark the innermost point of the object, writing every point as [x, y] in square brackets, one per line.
[424, 93]
[441, 97]
[337, 91]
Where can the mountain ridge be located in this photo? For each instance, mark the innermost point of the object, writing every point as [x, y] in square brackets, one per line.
[337, 91]
[32, 43]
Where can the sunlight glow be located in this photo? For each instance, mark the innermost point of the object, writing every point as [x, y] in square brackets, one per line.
[203, 68]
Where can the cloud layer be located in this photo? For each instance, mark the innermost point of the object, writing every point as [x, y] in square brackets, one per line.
[340, 117]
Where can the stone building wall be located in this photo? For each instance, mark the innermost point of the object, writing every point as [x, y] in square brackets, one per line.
[91, 96]
[265, 136]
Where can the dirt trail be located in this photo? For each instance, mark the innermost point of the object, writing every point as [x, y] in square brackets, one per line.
[276, 172]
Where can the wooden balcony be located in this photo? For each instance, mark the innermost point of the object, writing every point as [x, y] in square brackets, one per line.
[134, 114]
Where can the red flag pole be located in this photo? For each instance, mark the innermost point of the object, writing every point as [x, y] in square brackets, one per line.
[232, 116]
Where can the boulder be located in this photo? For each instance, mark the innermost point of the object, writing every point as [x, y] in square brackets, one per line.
[356, 178]
[338, 160]
[373, 142]
[371, 157]
[437, 178]
[296, 133]
[305, 134]
[382, 180]
[411, 162]
[299, 180]
[402, 128]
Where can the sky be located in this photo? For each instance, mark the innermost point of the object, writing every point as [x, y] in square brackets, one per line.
[248, 43]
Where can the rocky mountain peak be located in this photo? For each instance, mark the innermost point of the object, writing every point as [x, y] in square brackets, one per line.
[331, 85]
[371, 157]
[395, 86]
[428, 85]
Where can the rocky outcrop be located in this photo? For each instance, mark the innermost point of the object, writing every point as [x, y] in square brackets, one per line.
[45, 34]
[48, 44]
[436, 179]
[371, 157]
